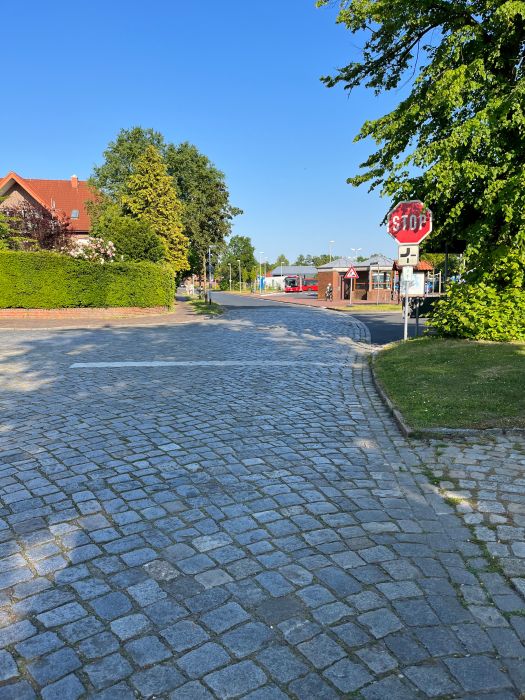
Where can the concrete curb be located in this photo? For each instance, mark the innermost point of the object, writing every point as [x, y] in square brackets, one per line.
[434, 433]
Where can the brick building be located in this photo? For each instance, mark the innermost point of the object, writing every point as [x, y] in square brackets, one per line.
[375, 283]
[65, 199]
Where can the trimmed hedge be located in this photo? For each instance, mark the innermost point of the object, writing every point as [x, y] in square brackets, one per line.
[46, 280]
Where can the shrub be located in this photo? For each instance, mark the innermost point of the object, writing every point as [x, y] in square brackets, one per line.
[480, 312]
[44, 280]
[133, 239]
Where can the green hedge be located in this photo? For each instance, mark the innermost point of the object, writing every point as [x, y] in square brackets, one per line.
[480, 312]
[49, 281]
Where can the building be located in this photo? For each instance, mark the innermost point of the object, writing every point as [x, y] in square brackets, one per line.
[65, 199]
[285, 270]
[374, 284]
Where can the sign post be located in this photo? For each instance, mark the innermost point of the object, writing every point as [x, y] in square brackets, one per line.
[409, 223]
[351, 274]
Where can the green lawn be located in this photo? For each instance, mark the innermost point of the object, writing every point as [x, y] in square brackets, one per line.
[201, 307]
[455, 383]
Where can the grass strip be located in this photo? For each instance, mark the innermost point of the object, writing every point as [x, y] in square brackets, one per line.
[444, 383]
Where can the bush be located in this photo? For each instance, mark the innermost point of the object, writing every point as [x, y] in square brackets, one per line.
[44, 280]
[480, 312]
[133, 239]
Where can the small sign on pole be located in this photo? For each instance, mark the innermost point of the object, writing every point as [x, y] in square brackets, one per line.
[408, 255]
[351, 273]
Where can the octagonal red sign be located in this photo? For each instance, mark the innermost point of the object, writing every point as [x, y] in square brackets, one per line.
[410, 222]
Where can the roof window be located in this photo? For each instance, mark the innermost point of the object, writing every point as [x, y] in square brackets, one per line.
[75, 214]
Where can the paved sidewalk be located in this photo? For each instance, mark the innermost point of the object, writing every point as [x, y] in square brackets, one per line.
[251, 525]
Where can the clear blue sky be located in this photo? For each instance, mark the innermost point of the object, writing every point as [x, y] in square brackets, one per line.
[239, 79]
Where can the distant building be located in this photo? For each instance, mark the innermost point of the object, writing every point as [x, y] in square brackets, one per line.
[284, 270]
[65, 199]
[375, 282]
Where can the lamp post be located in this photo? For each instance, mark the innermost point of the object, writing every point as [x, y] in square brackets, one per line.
[330, 243]
[240, 276]
[261, 253]
[230, 266]
[209, 266]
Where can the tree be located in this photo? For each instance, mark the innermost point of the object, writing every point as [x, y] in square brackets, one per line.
[150, 197]
[304, 260]
[28, 227]
[282, 260]
[239, 248]
[457, 141]
[207, 214]
[322, 259]
[120, 157]
[133, 239]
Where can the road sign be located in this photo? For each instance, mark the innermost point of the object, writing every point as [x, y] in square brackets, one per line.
[351, 273]
[408, 255]
[408, 274]
[409, 222]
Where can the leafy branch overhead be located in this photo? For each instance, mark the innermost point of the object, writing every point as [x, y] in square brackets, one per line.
[457, 137]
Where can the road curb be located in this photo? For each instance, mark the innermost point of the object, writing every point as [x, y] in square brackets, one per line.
[433, 433]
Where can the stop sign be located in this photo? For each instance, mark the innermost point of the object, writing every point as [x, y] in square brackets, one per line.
[410, 222]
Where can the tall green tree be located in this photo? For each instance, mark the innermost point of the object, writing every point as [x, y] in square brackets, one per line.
[150, 196]
[207, 213]
[239, 248]
[201, 187]
[457, 140]
[120, 157]
[282, 260]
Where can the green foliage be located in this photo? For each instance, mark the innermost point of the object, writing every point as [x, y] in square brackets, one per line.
[44, 280]
[480, 312]
[457, 139]
[239, 248]
[207, 213]
[120, 156]
[133, 239]
[200, 186]
[151, 197]
[282, 260]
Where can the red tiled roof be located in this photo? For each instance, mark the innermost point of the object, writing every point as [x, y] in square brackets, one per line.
[62, 194]
[422, 266]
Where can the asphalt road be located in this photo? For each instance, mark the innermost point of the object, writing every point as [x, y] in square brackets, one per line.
[385, 327]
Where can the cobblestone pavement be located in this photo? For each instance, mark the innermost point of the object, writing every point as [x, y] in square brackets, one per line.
[251, 525]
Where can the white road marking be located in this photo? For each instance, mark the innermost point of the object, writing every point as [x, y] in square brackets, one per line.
[204, 363]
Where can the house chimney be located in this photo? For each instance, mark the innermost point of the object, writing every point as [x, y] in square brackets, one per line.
[74, 181]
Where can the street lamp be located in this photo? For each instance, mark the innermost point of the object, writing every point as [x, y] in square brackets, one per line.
[330, 243]
[355, 251]
[230, 266]
[240, 276]
[261, 253]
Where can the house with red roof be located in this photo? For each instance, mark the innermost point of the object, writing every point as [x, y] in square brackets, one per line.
[65, 199]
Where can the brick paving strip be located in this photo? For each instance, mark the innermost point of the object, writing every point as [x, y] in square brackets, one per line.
[228, 529]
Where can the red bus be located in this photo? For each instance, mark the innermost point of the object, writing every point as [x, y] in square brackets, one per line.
[300, 283]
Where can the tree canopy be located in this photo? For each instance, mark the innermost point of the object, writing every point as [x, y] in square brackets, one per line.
[201, 188]
[150, 197]
[239, 248]
[457, 139]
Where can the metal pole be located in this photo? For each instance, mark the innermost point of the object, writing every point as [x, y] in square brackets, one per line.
[378, 285]
[260, 272]
[405, 331]
[209, 263]
[230, 266]
[351, 289]
[417, 318]
[240, 276]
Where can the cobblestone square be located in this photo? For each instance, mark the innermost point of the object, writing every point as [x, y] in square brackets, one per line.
[246, 522]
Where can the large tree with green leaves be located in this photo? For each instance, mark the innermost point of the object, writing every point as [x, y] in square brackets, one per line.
[207, 213]
[239, 248]
[149, 196]
[457, 140]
